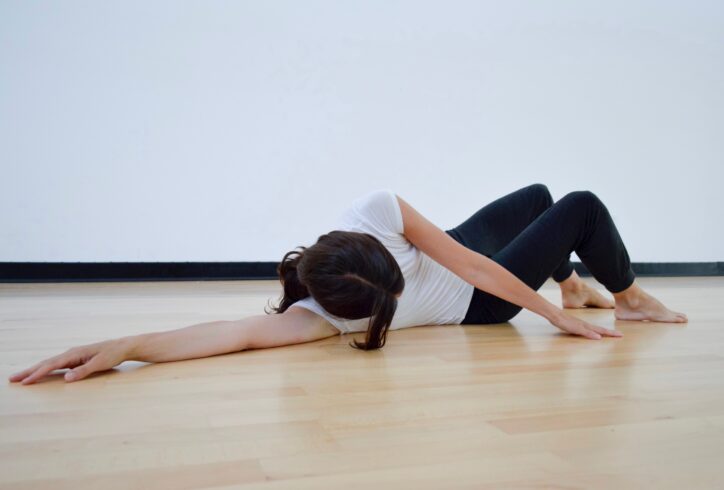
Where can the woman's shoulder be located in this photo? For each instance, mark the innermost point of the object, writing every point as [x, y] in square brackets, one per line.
[377, 211]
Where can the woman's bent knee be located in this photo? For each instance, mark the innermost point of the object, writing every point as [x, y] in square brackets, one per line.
[538, 187]
[543, 191]
[582, 197]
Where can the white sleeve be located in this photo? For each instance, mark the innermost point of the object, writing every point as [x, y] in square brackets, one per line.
[378, 209]
[341, 324]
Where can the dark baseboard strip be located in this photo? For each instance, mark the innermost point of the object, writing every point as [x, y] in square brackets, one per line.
[219, 271]
[671, 269]
[134, 271]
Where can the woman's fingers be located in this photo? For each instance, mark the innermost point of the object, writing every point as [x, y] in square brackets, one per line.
[96, 363]
[22, 374]
[576, 326]
[605, 331]
[69, 359]
[587, 332]
[596, 332]
[81, 361]
[45, 368]
[29, 371]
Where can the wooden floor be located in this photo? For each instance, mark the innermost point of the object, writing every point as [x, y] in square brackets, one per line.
[515, 405]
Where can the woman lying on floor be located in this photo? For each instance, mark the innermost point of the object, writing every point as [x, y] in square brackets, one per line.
[385, 266]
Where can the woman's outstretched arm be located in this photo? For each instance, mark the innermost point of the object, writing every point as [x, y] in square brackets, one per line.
[294, 326]
[487, 275]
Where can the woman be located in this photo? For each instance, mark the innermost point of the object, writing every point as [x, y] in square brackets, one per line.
[387, 267]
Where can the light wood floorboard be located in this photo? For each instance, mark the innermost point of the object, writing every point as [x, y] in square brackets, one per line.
[515, 405]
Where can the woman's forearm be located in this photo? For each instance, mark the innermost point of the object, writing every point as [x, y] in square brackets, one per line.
[195, 341]
[497, 280]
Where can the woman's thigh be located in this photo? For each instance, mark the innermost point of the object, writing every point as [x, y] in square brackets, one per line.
[496, 224]
[532, 256]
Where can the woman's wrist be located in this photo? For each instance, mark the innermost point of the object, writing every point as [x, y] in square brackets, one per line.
[130, 346]
[552, 313]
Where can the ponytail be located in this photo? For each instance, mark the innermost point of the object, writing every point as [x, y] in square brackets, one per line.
[384, 308]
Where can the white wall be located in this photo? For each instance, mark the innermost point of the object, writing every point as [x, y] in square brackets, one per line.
[235, 131]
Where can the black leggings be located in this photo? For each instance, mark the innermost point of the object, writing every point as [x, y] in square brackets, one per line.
[533, 237]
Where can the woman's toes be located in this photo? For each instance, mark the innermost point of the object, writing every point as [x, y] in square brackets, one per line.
[651, 309]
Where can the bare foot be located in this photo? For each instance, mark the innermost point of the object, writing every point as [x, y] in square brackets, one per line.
[585, 296]
[577, 294]
[635, 304]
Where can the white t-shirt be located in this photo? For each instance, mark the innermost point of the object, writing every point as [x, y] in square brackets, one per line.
[433, 295]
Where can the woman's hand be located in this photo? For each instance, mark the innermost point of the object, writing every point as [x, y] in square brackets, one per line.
[82, 361]
[576, 326]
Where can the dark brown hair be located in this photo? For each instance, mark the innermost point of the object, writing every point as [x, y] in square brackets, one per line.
[351, 275]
